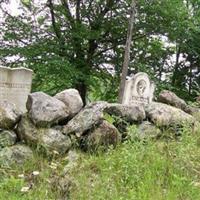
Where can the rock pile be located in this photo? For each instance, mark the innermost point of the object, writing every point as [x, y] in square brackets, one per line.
[56, 124]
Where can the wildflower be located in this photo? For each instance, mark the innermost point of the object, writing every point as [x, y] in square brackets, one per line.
[36, 173]
[25, 189]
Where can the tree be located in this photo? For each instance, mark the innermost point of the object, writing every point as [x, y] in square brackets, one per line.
[127, 51]
[80, 44]
[65, 42]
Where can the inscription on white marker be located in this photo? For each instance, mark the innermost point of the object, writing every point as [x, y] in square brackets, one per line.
[15, 85]
[138, 90]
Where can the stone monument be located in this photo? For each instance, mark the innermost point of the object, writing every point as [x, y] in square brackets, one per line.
[138, 90]
[15, 85]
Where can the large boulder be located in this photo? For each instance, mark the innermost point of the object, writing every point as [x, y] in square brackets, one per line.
[7, 138]
[16, 154]
[166, 115]
[27, 131]
[195, 111]
[9, 115]
[45, 110]
[93, 114]
[49, 139]
[147, 130]
[128, 113]
[72, 99]
[102, 136]
[52, 140]
[88, 117]
[172, 99]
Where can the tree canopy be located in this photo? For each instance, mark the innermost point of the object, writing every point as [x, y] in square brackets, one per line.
[80, 43]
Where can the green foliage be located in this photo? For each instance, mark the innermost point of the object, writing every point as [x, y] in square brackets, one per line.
[109, 118]
[132, 132]
[11, 183]
[75, 49]
[156, 170]
[162, 170]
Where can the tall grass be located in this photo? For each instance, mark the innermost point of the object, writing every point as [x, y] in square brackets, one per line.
[152, 170]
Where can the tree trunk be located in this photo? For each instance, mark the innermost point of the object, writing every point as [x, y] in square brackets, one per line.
[176, 72]
[82, 88]
[127, 51]
[190, 80]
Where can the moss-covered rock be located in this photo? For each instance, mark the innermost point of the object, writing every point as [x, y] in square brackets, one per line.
[16, 154]
[50, 139]
[7, 138]
[101, 137]
[165, 115]
[9, 115]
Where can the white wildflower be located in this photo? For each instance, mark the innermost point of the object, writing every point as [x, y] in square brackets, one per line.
[21, 176]
[25, 189]
[36, 173]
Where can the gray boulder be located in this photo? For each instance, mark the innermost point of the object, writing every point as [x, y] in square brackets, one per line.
[195, 111]
[93, 114]
[102, 136]
[9, 115]
[148, 130]
[166, 115]
[127, 113]
[16, 154]
[45, 110]
[72, 99]
[172, 99]
[50, 139]
[88, 117]
[27, 131]
[7, 138]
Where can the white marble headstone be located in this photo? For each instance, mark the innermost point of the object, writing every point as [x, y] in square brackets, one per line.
[138, 90]
[15, 85]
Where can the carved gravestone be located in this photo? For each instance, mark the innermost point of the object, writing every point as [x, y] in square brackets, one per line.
[138, 90]
[15, 85]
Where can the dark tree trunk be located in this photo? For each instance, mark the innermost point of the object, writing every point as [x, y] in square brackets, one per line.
[176, 71]
[82, 88]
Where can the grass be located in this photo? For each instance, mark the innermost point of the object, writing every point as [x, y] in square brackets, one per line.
[151, 170]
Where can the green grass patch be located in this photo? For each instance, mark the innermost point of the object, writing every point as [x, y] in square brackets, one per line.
[161, 170]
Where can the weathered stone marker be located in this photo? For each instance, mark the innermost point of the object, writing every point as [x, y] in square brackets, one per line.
[15, 85]
[138, 90]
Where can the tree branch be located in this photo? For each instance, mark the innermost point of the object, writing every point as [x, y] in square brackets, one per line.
[53, 20]
[67, 12]
[78, 3]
